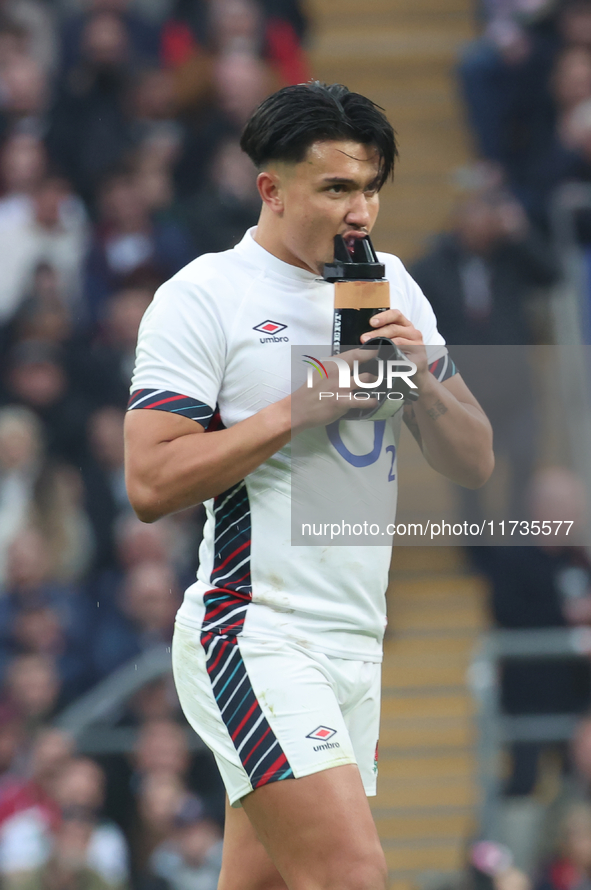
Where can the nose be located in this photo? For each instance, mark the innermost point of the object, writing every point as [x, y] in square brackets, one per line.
[358, 214]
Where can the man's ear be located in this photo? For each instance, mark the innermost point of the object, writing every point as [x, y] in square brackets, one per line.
[269, 186]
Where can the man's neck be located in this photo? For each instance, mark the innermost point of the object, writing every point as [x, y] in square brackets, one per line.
[268, 235]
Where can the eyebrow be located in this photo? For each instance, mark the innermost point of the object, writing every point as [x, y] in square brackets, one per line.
[347, 181]
[339, 179]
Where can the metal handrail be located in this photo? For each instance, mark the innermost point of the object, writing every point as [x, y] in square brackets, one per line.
[89, 720]
[496, 729]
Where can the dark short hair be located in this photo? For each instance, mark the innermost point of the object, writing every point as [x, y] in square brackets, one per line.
[289, 121]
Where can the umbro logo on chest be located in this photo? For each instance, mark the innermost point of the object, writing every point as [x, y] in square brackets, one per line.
[272, 328]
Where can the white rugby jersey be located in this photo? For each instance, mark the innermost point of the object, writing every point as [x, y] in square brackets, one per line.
[214, 345]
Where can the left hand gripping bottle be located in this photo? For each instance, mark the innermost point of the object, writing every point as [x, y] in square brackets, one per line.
[361, 291]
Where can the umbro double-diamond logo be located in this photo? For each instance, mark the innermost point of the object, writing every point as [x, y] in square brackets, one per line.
[272, 328]
[323, 734]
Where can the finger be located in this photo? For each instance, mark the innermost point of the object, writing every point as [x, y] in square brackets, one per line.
[403, 341]
[366, 377]
[392, 331]
[389, 316]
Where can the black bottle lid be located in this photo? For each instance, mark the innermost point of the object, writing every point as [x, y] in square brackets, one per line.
[363, 264]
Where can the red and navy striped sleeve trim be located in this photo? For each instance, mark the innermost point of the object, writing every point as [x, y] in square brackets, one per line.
[163, 400]
[443, 368]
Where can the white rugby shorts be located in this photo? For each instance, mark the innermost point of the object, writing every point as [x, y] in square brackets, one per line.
[271, 710]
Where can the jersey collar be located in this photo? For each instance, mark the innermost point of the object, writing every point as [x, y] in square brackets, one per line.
[249, 248]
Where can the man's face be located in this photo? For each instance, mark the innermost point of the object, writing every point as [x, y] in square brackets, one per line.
[331, 192]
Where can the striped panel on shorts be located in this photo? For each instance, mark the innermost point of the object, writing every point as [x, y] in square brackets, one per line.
[226, 605]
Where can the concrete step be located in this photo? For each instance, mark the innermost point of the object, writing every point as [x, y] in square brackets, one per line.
[433, 826]
[439, 589]
[342, 10]
[428, 733]
[439, 765]
[420, 707]
[379, 45]
[424, 792]
[434, 855]
[428, 559]
[405, 616]
[415, 645]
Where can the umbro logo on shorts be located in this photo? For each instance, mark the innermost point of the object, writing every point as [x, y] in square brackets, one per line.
[273, 328]
[322, 733]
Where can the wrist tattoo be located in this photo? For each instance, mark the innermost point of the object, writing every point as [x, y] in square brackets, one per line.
[437, 410]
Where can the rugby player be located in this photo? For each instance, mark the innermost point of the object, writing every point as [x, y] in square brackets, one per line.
[277, 649]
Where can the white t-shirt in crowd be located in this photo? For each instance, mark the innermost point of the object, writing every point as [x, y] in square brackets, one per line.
[220, 333]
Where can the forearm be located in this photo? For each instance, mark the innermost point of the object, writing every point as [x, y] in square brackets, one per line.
[182, 471]
[456, 438]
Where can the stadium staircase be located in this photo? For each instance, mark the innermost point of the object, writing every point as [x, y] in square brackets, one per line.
[402, 54]
[426, 806]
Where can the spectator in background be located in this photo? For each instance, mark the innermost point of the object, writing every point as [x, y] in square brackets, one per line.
[161, 748]
[154, 126]
[562, 156]
[192, 857]
[59, 514]
[12, 738]
[231, 198]
[159, 798]
[135, 121]
[479, 276]
[88, 134]
[41, 617]
[25, 100]
[160, 765]
[570, 867]
[34, 786]
[110, 360]
[34, 24]
[38, 630]
[535, 587]
[142, 36]
[135, 543]
[54, 232]
[23, 165]
[21, 448]
[36, 491]
[32, 686]
[127, 242]
[197, 31]
[27, 839]
[104, 480]
[155, 701]
[143, 617]
[36, 377]
[240, 82]
[504, 79]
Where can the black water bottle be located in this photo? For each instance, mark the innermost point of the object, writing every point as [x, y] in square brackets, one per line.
[360, 292]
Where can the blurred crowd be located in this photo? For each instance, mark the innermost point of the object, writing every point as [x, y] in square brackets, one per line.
[526, 87]
[119, 163]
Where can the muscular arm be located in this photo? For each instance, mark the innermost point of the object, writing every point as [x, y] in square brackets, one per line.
[170, 463]
[452, 430]
[446, 420]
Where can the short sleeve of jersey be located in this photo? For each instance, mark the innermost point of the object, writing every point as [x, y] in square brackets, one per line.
[181, 344]
[415, 305]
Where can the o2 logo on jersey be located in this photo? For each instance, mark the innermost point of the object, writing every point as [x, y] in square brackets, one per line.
[363, 460]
